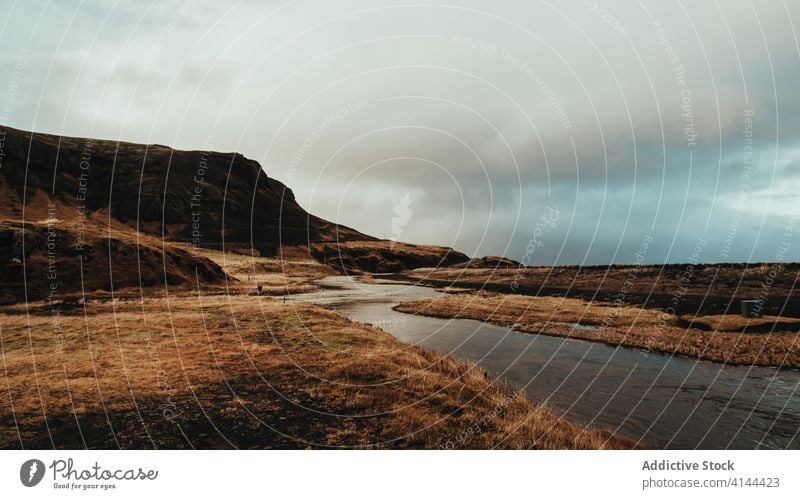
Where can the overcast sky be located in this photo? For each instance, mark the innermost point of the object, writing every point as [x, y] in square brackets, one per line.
[676, 121]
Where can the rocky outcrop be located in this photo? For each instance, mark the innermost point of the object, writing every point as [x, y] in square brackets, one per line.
[88, 189]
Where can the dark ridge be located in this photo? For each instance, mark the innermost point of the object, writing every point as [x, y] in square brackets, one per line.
[82, 192]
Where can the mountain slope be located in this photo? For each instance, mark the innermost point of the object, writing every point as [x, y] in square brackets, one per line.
[100, 196]
[164, 192]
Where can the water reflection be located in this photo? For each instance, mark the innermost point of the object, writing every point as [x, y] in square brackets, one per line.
[669, 402]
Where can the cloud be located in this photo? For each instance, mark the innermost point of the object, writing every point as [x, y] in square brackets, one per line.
[629, 117]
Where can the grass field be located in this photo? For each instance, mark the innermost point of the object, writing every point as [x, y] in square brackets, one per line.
[224, 367]
[682, 289]
[720, 340]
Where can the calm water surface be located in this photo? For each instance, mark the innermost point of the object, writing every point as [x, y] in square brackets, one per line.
[668, 402]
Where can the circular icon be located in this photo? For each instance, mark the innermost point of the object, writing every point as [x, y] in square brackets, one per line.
[31, 472]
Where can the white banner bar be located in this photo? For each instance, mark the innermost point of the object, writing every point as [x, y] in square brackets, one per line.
[387, 474]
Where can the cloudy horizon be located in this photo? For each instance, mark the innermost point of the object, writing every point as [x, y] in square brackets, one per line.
[560, 134]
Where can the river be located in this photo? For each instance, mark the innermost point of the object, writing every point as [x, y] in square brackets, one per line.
[661, 400]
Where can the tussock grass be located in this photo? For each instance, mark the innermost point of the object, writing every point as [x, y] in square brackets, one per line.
[737, 323]
[618, 325]
[701, 289]
[292, 271]
[219, 371]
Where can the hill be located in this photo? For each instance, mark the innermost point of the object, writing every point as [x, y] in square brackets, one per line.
[129, 212]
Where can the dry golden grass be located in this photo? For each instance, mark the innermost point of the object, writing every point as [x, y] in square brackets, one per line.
[712, 289]
[112, 257]
[215, 370]
[623, 325]
[373, 255]
[737, 323]
[293, 271]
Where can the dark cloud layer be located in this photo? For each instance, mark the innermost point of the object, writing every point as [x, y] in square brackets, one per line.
[672, 120]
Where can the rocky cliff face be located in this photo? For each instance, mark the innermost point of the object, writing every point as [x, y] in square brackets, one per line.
[145, 200]
[206, 198]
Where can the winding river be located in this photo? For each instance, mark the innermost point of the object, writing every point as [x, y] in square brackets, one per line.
[664, 401]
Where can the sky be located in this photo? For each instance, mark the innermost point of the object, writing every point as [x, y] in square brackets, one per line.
[569, 132]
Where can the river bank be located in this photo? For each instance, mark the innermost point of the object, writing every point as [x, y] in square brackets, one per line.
[617, 325]
[232, 369]
[658, 400]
